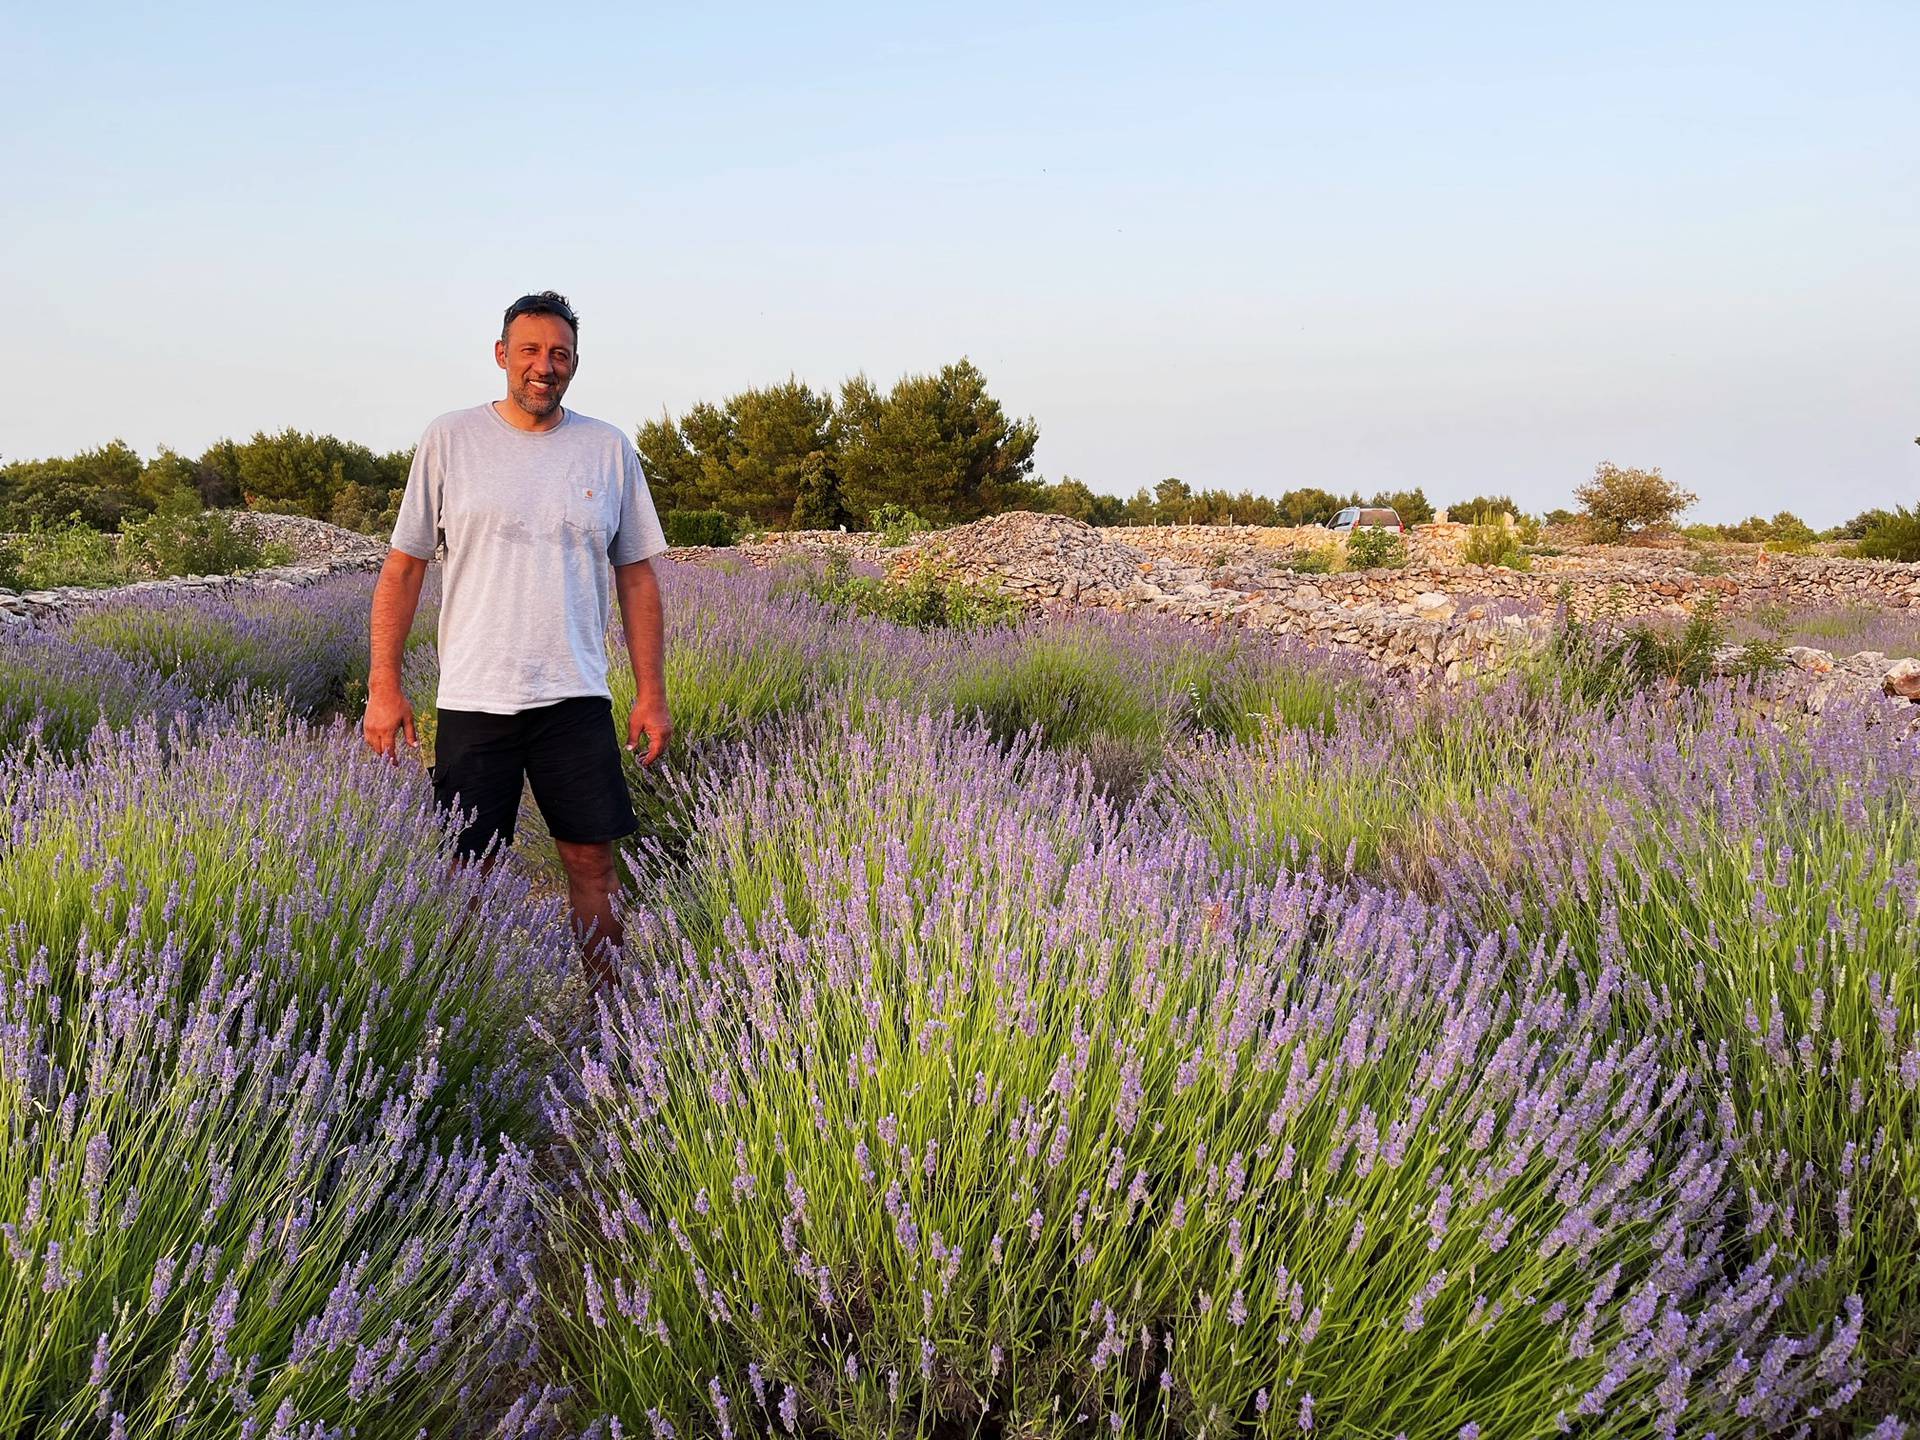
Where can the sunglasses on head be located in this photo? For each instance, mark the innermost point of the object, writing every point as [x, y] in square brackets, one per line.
[541, 305]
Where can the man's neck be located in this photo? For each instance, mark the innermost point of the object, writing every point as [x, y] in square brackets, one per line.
[521, 420]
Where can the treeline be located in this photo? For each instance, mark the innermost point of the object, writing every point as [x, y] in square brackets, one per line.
[1174, 502]
[935, 449]
[791, 457]
[291, 472]
[940, 446]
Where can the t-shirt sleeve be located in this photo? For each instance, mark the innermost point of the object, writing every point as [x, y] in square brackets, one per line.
[417, 529]
[638, 536]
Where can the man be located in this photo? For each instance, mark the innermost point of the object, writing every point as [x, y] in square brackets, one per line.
[535, 504]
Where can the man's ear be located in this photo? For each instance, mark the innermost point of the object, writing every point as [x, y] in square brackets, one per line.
[500, 353]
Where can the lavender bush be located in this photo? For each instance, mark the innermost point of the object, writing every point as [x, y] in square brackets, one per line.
[307, 646]
[204, 658]
[1843, 629]
[1751, 874]
[1772, 918]
[55, 691]
[256, 1046]
[1085, 1026]
[947, 1094]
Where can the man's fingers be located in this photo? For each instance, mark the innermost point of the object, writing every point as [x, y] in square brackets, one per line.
[412, 739]
[658, 745]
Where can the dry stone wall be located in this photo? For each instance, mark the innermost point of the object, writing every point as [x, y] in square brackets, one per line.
[319, 550]
[1435, 623]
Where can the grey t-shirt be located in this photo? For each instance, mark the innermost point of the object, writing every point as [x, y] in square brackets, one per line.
[532, 520]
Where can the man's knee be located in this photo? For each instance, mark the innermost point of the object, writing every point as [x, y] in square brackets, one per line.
[588, 866]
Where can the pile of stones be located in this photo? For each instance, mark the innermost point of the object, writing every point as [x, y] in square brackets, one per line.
[310, 541]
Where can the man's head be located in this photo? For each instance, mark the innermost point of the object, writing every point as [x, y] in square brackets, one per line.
[539, 349]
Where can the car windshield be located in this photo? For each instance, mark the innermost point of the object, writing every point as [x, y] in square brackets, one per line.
[1378, 517]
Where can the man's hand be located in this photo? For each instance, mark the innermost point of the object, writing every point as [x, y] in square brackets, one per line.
[649, 717]
[396, 595]
[387, 713]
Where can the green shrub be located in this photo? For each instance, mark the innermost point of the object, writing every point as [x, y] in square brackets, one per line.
[699, 527]
[1313, 562]
[197, 542]
[1376, 550]
[895, 524]
[366, 508]
[71, 554]
[930, 597]
[1494, 542]
[1601, 664]
[1894, 536]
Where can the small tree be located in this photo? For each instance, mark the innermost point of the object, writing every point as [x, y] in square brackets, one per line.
[1371, 549]
[818, 505]
[1893, 536]
[1482, 509]
[1618, 502]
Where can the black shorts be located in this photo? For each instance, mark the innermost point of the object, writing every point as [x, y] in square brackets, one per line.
[568, 751]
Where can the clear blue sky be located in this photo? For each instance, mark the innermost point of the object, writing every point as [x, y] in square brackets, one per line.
[1474, 247]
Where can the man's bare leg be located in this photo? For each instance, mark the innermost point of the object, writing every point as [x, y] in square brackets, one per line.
[591, 882]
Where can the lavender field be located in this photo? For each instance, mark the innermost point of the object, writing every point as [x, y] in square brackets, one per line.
[1092, 1026]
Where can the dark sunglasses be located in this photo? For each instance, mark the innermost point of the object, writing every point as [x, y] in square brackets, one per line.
[540, 305]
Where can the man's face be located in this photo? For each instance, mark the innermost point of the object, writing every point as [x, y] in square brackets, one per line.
[539, 359]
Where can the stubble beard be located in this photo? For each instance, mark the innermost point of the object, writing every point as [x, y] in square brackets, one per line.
[533, 402]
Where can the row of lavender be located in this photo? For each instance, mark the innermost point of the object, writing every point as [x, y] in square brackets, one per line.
[1082, 1028]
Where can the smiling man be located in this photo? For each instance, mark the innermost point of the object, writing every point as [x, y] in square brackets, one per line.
[542, 512]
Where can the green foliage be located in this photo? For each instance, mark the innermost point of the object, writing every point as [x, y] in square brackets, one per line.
[668, 457]
[1174, 502]
[1602, 663]
[1618, 502]
[1707, 563]
[929, 597]
[932, 597]
[1859, 525]
[698, 527]
[1482, 508]
[368, 510]
[181, 540]
[1075, 499]
[73, 553]
[1373, 549]
[787, 455]
[1785, 531]
[896, 525]
[1894, 536]
[1558, 516]
[99, 487]
[762, 455]
[818, 506]
[1321, 561]
[938, 444]
[1310, 506]
[1412, 506]
[190, 542]
[296, 473]
[1494, 542]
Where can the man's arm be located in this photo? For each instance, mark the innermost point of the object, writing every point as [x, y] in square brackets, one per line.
[396, 596]
[640, 618]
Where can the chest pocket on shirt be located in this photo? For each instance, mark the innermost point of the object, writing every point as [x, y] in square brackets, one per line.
[587, 514]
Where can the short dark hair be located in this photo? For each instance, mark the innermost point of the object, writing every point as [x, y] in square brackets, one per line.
[547, 302]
